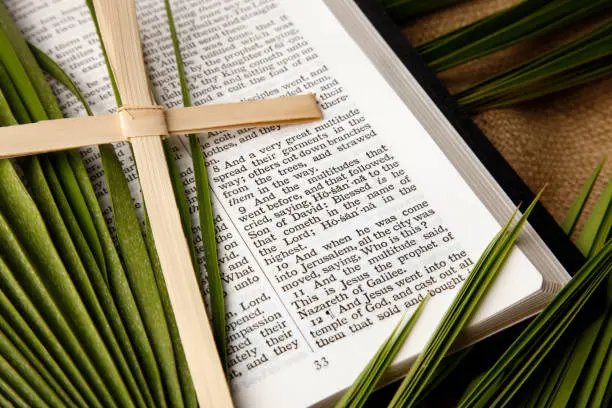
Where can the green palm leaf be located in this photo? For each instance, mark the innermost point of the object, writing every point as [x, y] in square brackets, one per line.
[580, 61]
[140, 273]
[51, 110]
[14, 110]
[12, 395]
[425, 372]
[61, 364]
[41, 246]
[577, 360]
[575, 210]
[597, 339]
[59, 188]
[545, 394]
[117, 280]
[48, 65]
[186, 383]
[54, 396]
[65, 169]
[597, 227]
[501, 383]
[16, 203]
[598, 371]
[557, 385]
[357, 395]
[95, 294]
[525, 21]
[19, 386]
[36, 353]
[458, 315]
[4, 399]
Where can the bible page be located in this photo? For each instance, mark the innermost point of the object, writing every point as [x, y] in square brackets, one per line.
[329, 232]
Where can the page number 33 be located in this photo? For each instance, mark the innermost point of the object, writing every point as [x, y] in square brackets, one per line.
[321, 363]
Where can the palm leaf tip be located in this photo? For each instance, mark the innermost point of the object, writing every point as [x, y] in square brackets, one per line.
[460, 311]
[577, 207]
[510, 373]
[414, 386]
[597, 229]
[357, 395]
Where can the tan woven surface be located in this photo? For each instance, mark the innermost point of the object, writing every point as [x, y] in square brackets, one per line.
[556, 140]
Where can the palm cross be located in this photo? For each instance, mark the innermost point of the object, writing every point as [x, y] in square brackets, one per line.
[144, 124]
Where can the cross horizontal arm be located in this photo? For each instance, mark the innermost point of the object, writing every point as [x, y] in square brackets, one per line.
[277, 111]
[62, 134]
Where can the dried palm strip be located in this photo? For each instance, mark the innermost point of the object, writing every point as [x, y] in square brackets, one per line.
[61, 134]
[119, 27]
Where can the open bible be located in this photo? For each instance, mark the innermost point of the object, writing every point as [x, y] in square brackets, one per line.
[328, 232]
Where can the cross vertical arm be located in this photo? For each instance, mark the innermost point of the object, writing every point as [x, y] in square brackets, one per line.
[119, 27]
